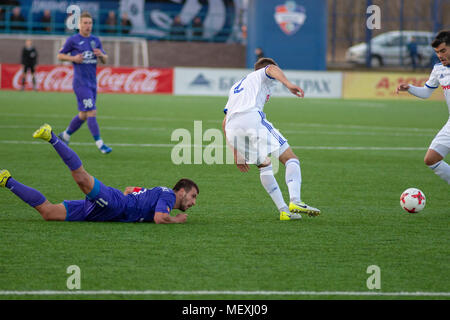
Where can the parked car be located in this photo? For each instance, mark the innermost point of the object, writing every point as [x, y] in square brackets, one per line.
[390, 49]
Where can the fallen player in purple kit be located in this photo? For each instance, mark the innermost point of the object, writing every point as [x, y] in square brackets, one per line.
[103, 203]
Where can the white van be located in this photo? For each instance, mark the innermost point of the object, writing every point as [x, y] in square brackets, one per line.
[390, 49]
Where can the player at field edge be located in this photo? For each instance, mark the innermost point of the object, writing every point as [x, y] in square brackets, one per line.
[440, 75]
[29, 61]
[252, 137]
[83, 49]
[104, 203]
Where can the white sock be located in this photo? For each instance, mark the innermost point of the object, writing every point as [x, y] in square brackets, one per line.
[99, 143]
[65, 135]
[442, 169]
[293, 179]
[271, 185]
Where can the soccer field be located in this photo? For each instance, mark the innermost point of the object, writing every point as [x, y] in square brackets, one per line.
[356, 159]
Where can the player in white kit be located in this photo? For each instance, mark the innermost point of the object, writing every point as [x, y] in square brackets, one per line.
[252, 137]
[440, 146]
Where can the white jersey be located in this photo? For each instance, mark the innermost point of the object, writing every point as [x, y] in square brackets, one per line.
[250, 93]
[440, 76]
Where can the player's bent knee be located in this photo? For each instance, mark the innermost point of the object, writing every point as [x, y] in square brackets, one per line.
[84, 180]
[432, 157]
[430, 161]
[52, 212]
[92, 113]
[82, 115]
[266, 163]
[287, 155]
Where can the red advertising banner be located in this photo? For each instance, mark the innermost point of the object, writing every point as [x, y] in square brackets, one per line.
[109, 79]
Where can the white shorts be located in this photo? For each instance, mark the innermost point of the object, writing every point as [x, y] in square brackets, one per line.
[441, 143]
[254, 137]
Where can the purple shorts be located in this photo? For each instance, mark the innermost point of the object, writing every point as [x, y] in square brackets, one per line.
[103, 203]
[86, 98]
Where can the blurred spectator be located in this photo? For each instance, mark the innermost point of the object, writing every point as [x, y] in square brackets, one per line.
[259, 53]
[3, 11]
[413, 54]
[29, 60]
[197, 28]
[46, 21]
[125, 23]
[177, 31]
[17, 20]
[244, 34]
[111, 22]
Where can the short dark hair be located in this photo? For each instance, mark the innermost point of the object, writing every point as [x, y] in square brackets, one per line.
[263, 62]
[185, 184]
[441, 37]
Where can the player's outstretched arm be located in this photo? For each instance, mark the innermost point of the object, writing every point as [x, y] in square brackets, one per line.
[402, 87]
[277, 73]
[164, 218]
[420, 92]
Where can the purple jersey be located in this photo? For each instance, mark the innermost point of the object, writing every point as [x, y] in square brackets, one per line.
[142, 205]
[85, 72]
[105, 203]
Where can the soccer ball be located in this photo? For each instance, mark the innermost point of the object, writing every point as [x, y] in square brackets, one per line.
[412, 200]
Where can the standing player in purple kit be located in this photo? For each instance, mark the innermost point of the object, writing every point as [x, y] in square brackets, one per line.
[103, 203]
[83, 50]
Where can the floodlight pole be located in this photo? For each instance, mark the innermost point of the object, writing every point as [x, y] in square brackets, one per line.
[368, 39]
[435, 16]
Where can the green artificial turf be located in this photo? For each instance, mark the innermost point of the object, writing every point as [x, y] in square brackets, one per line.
[357, 157]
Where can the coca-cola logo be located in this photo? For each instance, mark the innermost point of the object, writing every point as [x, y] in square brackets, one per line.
[141, 80]
[56, 79]
[60, 78]
[106, 79]
[137, 81]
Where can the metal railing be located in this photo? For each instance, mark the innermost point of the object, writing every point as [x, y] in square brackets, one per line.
[31, 23]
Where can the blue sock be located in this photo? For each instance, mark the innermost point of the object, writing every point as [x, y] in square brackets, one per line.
[69, 156]
[93, 127]
[27, 194]
[74, 125]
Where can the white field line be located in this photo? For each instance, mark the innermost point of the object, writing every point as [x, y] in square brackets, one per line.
[358, 133]
[168, 145]
[306, 132]
[278, 124]
[230, 293]
[103, 128]
[352, 126]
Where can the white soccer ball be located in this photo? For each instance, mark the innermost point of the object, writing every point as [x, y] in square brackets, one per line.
[412, 200]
